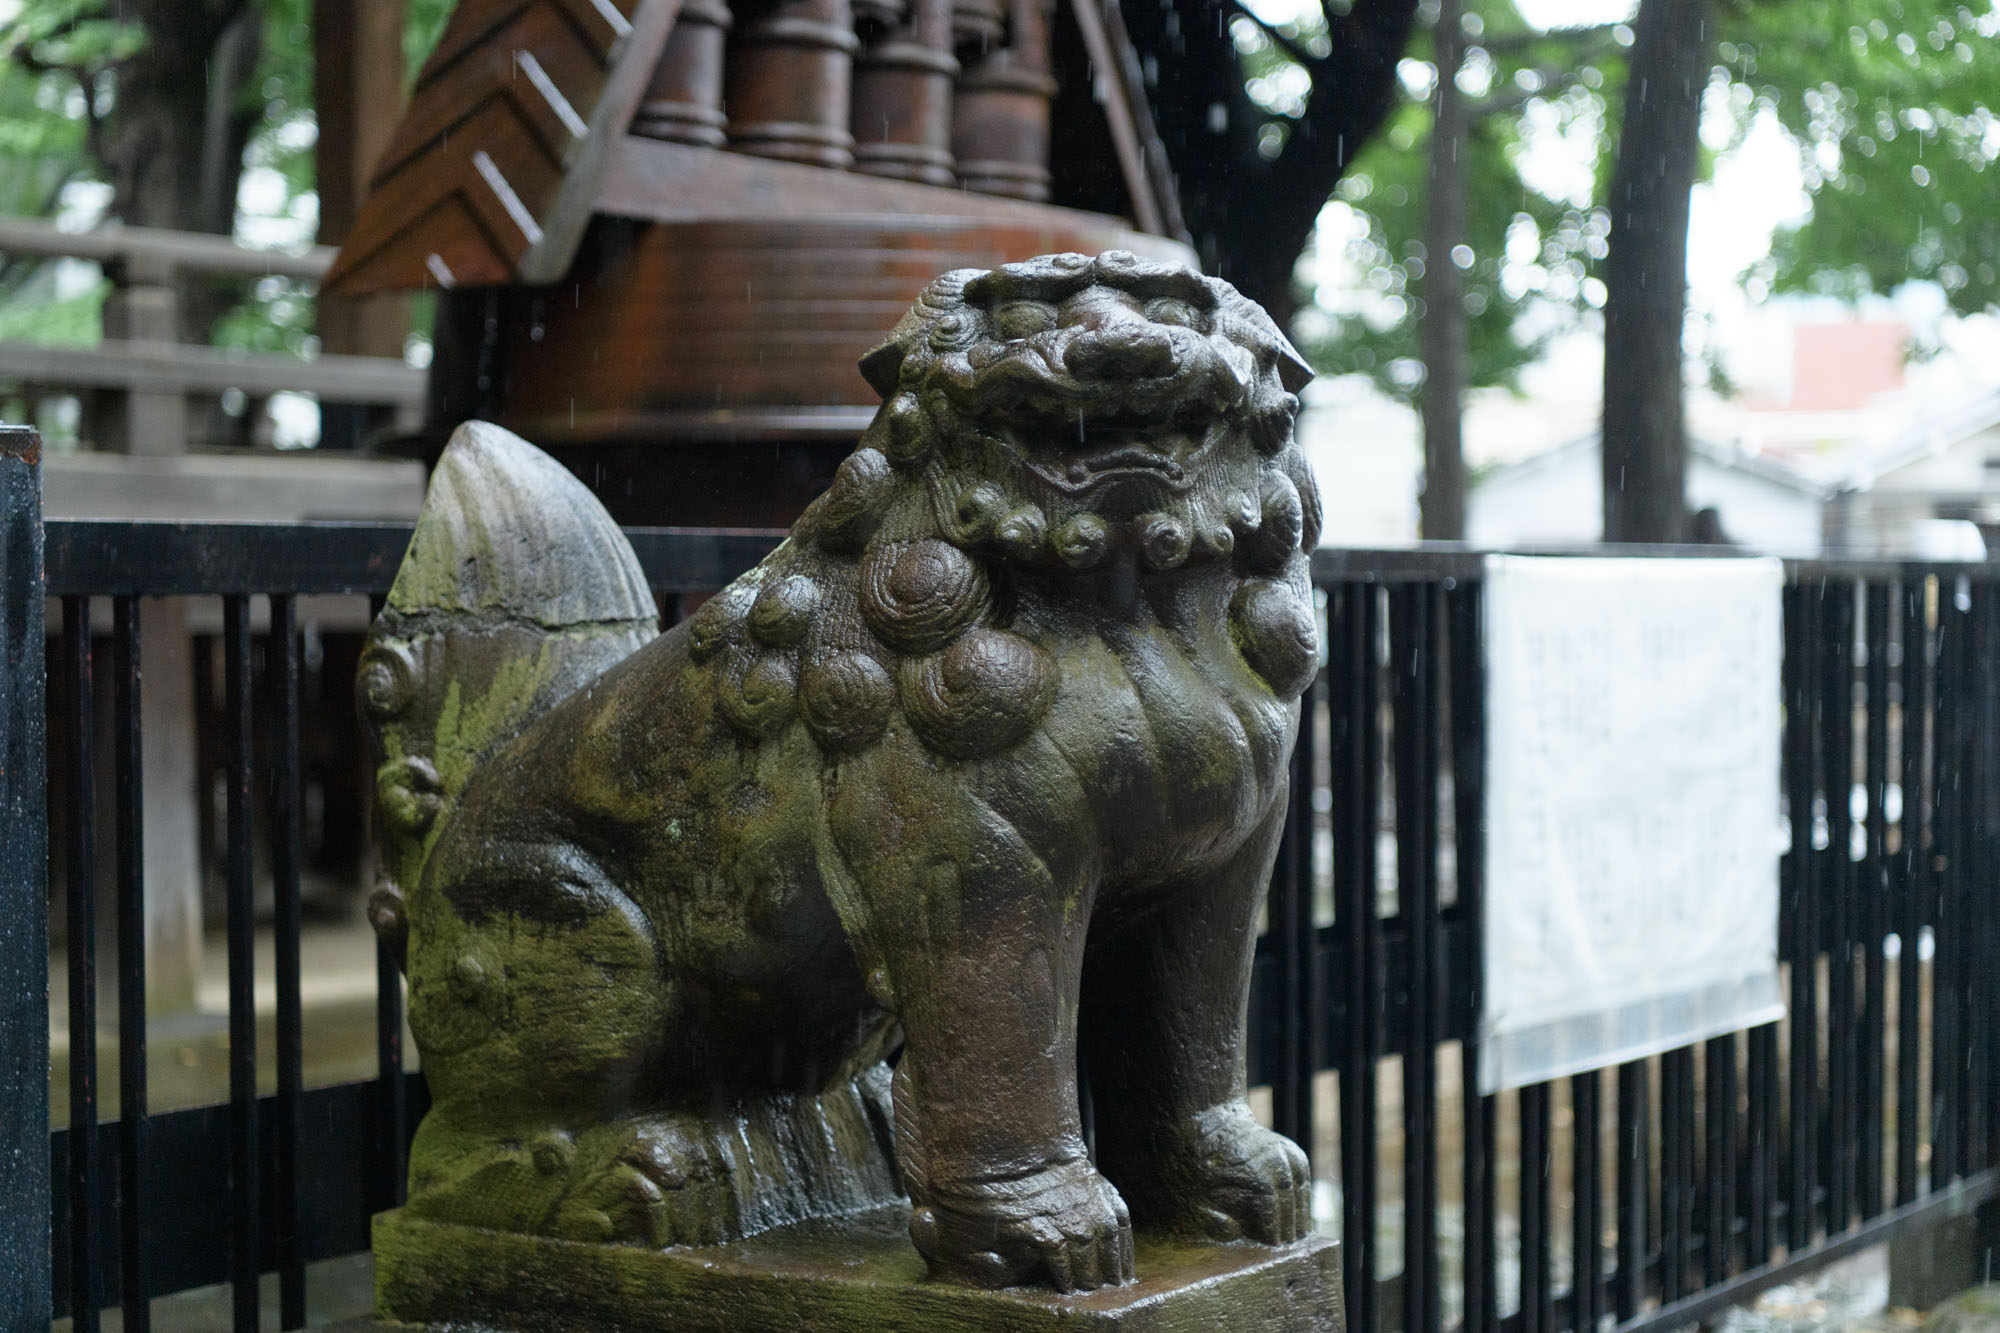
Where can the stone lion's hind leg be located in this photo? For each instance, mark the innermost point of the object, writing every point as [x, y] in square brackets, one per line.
[1163, 1012]
[541, 1004]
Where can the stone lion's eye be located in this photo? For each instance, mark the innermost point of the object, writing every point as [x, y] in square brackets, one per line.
[1024, 319]
[953, 329]
[1169, 310]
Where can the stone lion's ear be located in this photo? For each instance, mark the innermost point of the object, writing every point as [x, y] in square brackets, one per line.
[1293, 372]
[882, 366]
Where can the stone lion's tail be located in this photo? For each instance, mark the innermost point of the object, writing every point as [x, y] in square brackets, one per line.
[517, 588]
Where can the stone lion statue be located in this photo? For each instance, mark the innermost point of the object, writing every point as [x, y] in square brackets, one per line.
[984, 764]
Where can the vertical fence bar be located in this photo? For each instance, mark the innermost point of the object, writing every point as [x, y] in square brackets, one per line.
[243, 1147]
[1987, 970]
[1796, 933]
[1985, 858]
[1587, 1219]
[25, 1278]
[387, 1164]
[1634, 1187]
[1719, 1174]
[1676, 1172]
[1413, 630]
[1289, 936]
[283, 670]
[1973, 872]
[1955, 912]
[1760, 1144]
[1944, 779]
[81, 865]
[1480, 1113]
[1314, 998]
[1354, 627]
[131, 872]
[1911, 877]
[1963, 903]
[1537, 1287]
[389, 1161]
[1837, 887]
[1873, 887]
[1949, 817]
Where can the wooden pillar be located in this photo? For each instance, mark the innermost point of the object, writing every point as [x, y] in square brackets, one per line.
[902, 95]
[684, 101]
[788, 82]
[1000, 126]
[169, 787]
[143, 307]
[359, 95]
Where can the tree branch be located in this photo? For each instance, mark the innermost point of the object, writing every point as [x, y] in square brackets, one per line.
[1367, 42]
[23, 54]
[1289, 45]
[1556, 80]
[1521, 41]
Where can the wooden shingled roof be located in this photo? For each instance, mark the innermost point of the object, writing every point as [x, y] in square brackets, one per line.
[516, 134]
[494, 171]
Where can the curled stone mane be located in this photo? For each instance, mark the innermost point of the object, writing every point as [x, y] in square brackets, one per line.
[989, 361]
[1039, 419]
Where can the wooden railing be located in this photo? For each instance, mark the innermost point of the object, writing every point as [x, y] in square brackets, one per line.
[141, 370]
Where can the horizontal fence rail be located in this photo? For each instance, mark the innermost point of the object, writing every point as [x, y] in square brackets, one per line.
[1641, 1197]
[140, 374]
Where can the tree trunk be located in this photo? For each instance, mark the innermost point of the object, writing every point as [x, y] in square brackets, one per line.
[173, 142]
[1645, 445]
[1441, 329]
[358, 98]
[1250, 214]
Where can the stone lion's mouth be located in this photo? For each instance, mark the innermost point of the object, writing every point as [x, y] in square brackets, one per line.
[1096, 449]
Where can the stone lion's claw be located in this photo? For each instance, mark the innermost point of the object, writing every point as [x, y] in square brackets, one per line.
[1244, 1181]
[1065, 1226]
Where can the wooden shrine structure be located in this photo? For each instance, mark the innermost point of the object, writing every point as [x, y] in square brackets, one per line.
[663, 232]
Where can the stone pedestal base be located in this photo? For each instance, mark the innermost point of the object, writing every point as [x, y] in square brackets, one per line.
[856, 1274]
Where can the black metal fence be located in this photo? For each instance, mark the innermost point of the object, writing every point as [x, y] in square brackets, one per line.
[1688, 1181]
[1693, 1180]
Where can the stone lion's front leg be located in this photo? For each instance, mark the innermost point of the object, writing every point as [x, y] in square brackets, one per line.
[1165, 1009]
[978, 949]
[1001, 1189]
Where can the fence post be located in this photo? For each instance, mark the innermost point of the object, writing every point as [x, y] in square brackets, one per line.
[24, 945]
[144, 307]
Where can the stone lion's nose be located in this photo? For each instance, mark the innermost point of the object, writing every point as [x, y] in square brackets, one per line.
[1120, 349]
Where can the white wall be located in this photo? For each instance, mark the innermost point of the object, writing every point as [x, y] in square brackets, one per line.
[1559, 502]
[1365, 455]
[1549, 502]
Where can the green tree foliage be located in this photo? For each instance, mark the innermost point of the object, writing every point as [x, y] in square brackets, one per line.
[1530, 249]
[1895, 105]
[63, 67]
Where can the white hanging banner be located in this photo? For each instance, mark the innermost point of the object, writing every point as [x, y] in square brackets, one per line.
[1632, 808]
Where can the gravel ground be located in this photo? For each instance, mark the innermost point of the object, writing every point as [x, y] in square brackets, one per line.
[1848, 1296]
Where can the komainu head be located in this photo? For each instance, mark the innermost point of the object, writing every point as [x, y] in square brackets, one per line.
[1062, 408]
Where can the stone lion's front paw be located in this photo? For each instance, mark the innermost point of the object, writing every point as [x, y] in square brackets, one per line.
[1064, 1225]
[1238, 1180]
